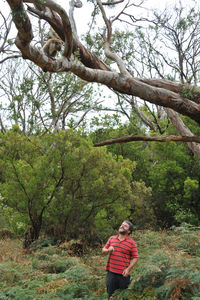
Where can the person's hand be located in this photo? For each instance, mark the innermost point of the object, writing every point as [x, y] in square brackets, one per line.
[107, 250]
[111, 248]
[126, 272]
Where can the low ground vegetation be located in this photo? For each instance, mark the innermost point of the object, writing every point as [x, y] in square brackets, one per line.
[168, 268]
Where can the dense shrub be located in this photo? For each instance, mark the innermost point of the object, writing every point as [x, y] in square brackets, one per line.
[165, 271]
[6, 233]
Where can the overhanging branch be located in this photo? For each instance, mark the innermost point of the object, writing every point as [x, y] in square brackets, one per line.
[169, 138]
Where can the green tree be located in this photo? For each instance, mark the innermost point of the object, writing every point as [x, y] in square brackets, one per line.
[174, 178]
[140, 207]
[61, 179]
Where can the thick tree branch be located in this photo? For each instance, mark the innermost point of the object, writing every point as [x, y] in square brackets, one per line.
[132, 86]
[85, 56]
[65, 23]
[183, 130]
[22, 22]
[161, 95]
[170, 138]
[179, 88]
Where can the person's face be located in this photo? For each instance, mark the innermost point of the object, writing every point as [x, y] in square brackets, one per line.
[124, 228]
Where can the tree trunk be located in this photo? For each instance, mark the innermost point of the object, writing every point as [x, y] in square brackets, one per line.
[32, 234]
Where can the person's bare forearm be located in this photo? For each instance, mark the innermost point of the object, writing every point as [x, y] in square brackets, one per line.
[107, 250]
[132, 263]
[126, 272]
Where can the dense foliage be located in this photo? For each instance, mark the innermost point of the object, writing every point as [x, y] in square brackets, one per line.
[60, 184]
[63, 196]
[168, 268]
[171, 170]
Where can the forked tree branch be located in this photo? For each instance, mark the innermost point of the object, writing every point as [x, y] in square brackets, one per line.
[158, 95]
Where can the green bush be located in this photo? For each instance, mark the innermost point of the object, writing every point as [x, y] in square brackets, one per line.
[188, 240]
[9, 273]
[53, 264]
[75, 291]
[19, 293]
[164, 271]
[190, 244]
[78, 272]
[6, 233]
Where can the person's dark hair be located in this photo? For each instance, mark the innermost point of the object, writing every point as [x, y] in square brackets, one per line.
[130, 225]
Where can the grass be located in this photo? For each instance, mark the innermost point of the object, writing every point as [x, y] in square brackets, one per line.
[168, 268]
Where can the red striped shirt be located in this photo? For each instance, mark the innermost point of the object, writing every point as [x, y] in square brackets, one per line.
[124, 251]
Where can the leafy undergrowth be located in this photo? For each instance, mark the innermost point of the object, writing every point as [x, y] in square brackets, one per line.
[168, 268]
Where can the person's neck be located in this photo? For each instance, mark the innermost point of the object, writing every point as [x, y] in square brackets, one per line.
[122, 236]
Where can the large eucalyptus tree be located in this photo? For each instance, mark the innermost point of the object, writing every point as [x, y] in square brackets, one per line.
[177, 97]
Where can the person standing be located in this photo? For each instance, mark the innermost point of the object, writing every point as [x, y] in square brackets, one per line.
[123, 256]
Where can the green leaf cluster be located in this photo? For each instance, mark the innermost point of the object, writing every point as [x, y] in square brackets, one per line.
[60, 184]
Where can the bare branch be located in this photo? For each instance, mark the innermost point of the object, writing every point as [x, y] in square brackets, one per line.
[110, 54]
[170, 138]
[9, 57]
[7, 25]
[112, 2]
[73, 4]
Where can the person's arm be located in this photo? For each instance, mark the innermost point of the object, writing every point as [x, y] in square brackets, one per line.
[126, 272]
[107, 250]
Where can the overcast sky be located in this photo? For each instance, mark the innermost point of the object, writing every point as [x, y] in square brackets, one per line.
[82, 15]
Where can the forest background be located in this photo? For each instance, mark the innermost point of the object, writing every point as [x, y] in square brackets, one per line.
[54, 183]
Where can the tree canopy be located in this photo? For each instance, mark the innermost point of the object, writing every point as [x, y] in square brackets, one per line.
[176, 91]
[61, 182]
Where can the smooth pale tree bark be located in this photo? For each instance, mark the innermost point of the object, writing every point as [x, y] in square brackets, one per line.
[92, 69]
[184, 130]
